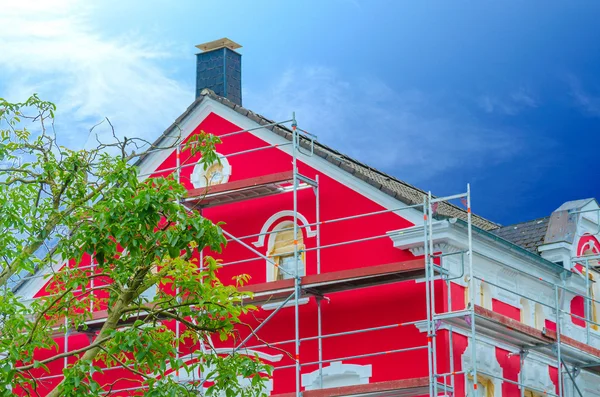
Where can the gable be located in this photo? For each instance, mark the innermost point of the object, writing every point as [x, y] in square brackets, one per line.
[399, 190]
[341, 196]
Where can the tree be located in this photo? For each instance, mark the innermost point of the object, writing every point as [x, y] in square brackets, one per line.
[59, 204]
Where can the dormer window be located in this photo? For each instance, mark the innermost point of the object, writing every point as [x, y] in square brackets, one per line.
[281, 251]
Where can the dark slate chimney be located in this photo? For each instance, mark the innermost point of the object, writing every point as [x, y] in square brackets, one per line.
[219, 68]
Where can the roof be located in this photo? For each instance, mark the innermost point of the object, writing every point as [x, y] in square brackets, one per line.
[529, 235]
[388, 184]
[575, 204]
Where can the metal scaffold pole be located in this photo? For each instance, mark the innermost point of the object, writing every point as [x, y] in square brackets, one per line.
[430, 264]
[472, 336]
[558, 344]
[319, 300]
[296, 256]
[428, 293]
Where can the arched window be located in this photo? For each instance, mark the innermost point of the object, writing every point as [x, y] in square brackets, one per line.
[216, 173]
[485, 295]
[531, 393]
[485, 387]
[540, 318]
[526, 317]
[281, 251]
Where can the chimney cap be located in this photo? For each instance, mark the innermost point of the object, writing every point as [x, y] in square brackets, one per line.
[220, 43]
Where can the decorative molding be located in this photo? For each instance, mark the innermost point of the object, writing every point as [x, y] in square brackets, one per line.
[507, 279]
[486, 361]
[337, 375]
[536, 375]
[588, 383]
[543, 359]
[444, 248]
[273, 219]
[195, 374]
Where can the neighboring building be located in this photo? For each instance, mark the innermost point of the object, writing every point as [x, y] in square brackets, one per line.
[377, 280]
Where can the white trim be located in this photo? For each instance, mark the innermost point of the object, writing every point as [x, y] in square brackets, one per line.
[337, 375]
[533, 355]
[187, 126]
[537, 376]
[277, 216]
[487, 362]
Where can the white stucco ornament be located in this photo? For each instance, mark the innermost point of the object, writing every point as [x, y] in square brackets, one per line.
[338, 374]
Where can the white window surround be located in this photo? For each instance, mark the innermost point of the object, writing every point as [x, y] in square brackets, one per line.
[487, 363]
[536, 376]
[275, 219]
[199, 178]
[338, 374]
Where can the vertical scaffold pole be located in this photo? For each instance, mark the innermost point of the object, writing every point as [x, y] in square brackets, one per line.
[588, 302]
[178, 162]
[431, 264]
[450, 338]
[319, 313]
[66, 359]
[472, 336]
[296, 256]
[558, 349]
[427, 292]
[522, 373]
[177, 326]
[92, 284]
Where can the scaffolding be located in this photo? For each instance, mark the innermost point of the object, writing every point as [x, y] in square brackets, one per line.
[570, 355]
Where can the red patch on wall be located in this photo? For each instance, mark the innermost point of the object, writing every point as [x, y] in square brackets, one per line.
[506, 309]
[578, 308]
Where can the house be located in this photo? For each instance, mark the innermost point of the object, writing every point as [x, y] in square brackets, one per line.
[399, 293]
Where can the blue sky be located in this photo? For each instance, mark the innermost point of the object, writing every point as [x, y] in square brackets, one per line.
[505, 95]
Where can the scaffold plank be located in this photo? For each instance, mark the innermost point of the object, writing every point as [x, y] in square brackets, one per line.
[342, 280]
[245, 189]
[397, 388]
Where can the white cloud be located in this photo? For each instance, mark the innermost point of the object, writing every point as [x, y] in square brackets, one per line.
[410, 133]
[584, 100]
[510, 105]
[51, 47]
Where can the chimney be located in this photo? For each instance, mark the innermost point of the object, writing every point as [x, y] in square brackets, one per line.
[219, 68]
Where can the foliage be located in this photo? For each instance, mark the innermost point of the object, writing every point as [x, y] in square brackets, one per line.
[80, 204]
